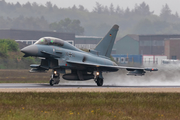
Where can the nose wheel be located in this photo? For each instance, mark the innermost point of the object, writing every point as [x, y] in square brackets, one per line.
[99, 81]
[55, 78]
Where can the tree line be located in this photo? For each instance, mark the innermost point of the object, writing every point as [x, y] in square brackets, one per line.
[12, 58]
[7, 45]
[77, 19]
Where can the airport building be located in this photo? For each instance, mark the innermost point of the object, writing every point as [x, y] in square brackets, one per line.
[28, 37]
[87, 42]
[128, 59]
[153, 48]
[149, 46]
[129, 44]
[31, 36]
[172, 48]
[142, 44]
[138, 60]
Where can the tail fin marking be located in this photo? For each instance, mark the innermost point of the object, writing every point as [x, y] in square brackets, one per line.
[105, 46]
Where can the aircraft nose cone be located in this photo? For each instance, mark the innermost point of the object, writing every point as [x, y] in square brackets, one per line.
[31, 50]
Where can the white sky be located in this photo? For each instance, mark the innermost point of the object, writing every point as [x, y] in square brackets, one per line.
[155, 5]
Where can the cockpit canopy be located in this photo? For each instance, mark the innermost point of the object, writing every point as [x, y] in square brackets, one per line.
[50, 41]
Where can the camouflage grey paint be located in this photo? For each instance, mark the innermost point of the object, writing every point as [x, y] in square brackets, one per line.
[60, 55]
[104, 47]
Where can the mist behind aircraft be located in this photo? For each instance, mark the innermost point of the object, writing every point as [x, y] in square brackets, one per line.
[168, 75]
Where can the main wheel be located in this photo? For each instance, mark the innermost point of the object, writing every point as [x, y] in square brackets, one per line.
[51, 82]
[99, 82]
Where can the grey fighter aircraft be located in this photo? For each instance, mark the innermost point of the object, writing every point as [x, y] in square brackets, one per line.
[60, 56]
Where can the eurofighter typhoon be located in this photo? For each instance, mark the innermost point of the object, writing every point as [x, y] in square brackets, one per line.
[60, 56]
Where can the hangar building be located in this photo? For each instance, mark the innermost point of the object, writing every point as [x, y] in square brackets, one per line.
[172, 48]
[142, 44]
[31, 36]
[86, 42]
[153, 48]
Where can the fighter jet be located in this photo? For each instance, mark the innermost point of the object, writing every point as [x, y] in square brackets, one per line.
[60, 56]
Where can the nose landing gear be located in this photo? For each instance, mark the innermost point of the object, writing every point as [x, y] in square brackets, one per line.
[99, 79]
[55, 78]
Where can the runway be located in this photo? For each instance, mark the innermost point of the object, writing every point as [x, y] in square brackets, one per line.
[31, 87]
[66, 85]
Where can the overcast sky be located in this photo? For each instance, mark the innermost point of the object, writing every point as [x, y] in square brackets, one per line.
[155, 5]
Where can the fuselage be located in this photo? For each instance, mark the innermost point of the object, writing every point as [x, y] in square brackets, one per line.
[59, 56]
[63, 51]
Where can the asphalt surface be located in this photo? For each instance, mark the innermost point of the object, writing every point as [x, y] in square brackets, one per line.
[46, 85]
[67, 87]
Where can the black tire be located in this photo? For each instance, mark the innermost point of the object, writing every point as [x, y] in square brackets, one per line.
[51, 82]
[99, 82]
[57, 82]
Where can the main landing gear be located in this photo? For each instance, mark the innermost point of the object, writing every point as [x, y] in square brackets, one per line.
[55, 78]
[99, 79]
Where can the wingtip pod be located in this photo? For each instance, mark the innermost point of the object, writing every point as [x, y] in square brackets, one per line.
[151, 69]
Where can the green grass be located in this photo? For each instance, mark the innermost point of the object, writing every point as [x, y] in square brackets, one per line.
[89, 106]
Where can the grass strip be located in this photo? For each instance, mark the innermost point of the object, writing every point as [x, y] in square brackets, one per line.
[89, 106]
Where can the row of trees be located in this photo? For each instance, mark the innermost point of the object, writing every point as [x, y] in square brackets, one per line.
[12, 58]
[68, 25]
[7, 45]
[139, 20]
[26, 23]
[142, 9]
[15, 63]
[34, 8]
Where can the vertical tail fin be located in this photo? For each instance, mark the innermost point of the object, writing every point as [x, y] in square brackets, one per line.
[104, 47]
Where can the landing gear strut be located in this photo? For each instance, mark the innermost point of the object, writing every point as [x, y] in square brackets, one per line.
[55, 78]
